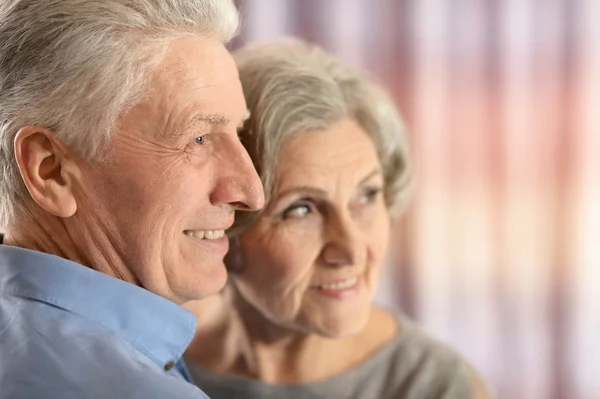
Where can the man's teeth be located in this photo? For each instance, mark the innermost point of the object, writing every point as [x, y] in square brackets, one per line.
[205, 234]
[340, 285]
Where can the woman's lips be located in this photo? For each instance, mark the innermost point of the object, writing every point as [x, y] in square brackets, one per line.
[342, 289]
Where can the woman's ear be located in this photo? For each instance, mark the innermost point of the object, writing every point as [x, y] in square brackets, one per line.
[234, 260]
[43, 162]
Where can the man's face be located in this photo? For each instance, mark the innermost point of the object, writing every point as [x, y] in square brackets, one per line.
[157, 211]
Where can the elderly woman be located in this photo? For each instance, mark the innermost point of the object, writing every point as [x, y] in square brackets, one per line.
[297, 319]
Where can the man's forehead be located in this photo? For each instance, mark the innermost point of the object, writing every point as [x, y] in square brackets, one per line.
[196, 85]
[202, 61]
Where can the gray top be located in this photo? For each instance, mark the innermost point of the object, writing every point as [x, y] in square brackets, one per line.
[410, 366]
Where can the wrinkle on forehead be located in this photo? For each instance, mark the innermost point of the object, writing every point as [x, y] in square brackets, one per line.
[327, 157]
[182, 91]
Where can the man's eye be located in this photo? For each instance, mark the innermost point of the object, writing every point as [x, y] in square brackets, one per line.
[200, 140]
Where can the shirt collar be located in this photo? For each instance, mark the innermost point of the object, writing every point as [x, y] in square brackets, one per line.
[155, 326]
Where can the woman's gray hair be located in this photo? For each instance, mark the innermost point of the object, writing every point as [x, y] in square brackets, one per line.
[290, 87]
[74, 66]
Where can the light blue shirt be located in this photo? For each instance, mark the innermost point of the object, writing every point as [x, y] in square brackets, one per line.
[67, 331]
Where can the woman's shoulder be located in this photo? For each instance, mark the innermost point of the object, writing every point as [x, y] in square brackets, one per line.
[419, 365]
[411, 364]
[415, 345]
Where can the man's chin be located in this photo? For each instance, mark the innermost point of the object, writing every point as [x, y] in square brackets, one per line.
[206, 282]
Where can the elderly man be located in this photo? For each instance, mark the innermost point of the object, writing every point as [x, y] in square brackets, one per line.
[121, 169]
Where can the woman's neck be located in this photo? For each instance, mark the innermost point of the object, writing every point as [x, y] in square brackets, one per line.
[237, 340]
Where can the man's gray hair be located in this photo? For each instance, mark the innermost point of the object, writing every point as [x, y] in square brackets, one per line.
[290, 87]
[74, 66]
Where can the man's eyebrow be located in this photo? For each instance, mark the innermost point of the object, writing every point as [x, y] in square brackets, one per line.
[202, 119]
[217, 119]
[211, 119]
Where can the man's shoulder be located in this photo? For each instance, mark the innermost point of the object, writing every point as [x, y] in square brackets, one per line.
[48, 352]
[109, 381]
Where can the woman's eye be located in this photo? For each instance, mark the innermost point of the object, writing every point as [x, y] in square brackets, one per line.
[200, 140]
[297, 211]
[370, 195]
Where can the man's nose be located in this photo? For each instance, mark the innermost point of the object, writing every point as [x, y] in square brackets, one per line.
[239, 184]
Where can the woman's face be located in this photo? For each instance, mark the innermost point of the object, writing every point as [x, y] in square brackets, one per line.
[312, 258]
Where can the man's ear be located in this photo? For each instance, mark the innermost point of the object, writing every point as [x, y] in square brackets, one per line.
[44, 164]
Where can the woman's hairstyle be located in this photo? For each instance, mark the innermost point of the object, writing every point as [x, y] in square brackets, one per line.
[291, 87]
[74, 66]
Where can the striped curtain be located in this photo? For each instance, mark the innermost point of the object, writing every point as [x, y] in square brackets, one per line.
[499, 253]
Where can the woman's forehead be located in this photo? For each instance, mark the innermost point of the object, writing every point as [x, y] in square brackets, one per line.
[317, 181]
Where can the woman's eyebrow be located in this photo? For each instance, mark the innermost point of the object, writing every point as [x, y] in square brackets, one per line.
[375, 172]
[313, 191]
[318, 192]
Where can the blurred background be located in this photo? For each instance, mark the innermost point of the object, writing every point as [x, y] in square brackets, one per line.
[499, 253]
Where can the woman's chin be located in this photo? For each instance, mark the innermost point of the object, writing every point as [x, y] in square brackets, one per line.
[342, 328]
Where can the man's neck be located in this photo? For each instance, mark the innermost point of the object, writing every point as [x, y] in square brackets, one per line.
[43, 234]
[49, 234]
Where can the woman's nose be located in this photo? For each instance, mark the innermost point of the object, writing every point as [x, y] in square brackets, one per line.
[344, 246]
